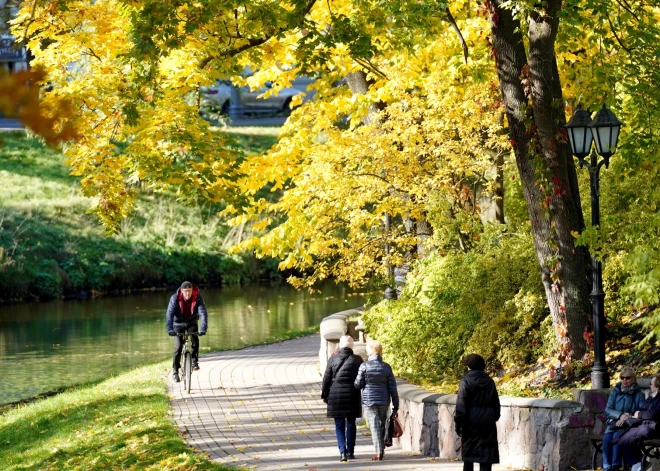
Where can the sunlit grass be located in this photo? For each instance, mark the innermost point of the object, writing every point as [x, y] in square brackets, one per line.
[251, 130]
[121, 423]
[51, 244]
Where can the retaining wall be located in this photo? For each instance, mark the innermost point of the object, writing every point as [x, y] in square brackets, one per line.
[531, 432]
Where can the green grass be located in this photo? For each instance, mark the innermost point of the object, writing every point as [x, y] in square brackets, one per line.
[121, 423]
[50, 245]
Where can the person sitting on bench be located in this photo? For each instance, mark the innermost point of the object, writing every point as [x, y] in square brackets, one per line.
[641, 427]
[625, 398]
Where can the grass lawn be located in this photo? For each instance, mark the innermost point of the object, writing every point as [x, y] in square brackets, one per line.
[50, 245]
[122, 423]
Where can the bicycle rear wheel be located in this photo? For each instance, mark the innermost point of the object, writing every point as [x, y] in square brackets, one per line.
[187, 374]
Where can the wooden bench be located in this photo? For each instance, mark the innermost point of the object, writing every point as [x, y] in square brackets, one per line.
[649, 448]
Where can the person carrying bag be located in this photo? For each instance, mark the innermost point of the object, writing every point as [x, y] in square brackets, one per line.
[376, 378]
[393, 429]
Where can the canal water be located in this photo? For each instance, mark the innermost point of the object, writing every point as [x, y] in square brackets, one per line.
[44, 346]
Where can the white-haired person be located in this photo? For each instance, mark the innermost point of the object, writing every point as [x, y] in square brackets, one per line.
[343, 399]
[377, 381]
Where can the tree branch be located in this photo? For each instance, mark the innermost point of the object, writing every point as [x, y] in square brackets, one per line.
[253, 42]
[461, 39]
[616, 36]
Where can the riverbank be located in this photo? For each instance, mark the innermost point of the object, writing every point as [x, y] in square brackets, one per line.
[51, 246]
[121, 423]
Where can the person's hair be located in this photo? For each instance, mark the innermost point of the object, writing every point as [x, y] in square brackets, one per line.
[475, 362]
[656, 380]
[374, 347]
[346, 341]
[629, 371]
[186, 285]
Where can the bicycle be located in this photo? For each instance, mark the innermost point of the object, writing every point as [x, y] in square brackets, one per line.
[186, 363]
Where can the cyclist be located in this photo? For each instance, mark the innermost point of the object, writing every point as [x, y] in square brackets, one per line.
[185, 308]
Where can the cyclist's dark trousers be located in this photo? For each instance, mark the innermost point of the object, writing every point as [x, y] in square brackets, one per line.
[178, 343]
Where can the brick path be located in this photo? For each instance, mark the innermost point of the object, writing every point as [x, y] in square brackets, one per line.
[260, 408]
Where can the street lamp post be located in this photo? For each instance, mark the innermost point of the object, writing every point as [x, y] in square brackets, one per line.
[390, 292]
[604, 131]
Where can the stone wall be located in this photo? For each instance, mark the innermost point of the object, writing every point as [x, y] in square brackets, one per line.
[531, 432]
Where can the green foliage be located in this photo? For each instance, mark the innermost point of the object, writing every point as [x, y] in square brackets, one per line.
[50, 245]
[489, 300]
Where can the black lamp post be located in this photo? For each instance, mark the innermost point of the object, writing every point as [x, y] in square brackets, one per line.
[604, 131]
[390, 292]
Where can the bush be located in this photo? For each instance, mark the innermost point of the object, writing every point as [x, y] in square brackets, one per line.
[47, 282]
[488, 301]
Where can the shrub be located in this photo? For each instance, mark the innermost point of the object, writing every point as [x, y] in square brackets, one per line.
[489, 300]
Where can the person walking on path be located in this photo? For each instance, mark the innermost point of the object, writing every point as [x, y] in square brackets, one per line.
[477, 411]
[376, 378]
[186, 307]
[343, 400]
[625, 398]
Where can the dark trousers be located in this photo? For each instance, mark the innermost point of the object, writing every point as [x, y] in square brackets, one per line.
[611, 451]
[346, 432]
[178, 343]
[615, 455]
[469, 466]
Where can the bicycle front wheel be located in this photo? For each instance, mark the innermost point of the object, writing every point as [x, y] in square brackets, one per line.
[187, 375]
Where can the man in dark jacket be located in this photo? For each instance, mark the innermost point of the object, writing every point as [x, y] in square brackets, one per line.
[186, 307]
[343, 399]
[477, 411]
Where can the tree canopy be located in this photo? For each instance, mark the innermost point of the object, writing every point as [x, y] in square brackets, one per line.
[450, 94]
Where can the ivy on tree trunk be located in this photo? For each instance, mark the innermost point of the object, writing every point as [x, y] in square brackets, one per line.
[531, 90]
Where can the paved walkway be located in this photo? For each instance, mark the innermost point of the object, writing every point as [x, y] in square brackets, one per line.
[260, 408]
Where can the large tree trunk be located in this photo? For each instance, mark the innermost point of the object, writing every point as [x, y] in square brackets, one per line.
[534, 95]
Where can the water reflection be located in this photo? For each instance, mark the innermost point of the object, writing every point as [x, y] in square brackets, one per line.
[49, 345]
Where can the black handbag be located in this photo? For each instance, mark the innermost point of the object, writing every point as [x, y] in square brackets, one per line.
[389, 431]
[393, 429]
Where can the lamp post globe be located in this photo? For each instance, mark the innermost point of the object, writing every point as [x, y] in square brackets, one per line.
[604, 131]
[579, 133]
[605, 127]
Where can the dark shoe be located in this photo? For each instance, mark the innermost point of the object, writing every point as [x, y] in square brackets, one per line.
[175, 376]
[343, 458]
[195, 365]
[382, 454]
[351, 455]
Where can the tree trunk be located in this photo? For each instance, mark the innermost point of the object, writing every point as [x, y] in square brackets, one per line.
[553, 205]
[491, 200]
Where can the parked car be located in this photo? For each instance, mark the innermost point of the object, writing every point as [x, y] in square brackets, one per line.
[218, 99]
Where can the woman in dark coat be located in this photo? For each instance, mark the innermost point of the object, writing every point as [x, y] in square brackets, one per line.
[344, 401]
[643, 427]
[477, 411]
[625, 398]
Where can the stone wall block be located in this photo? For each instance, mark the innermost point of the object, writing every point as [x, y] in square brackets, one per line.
[431, 426]
[447, 437]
